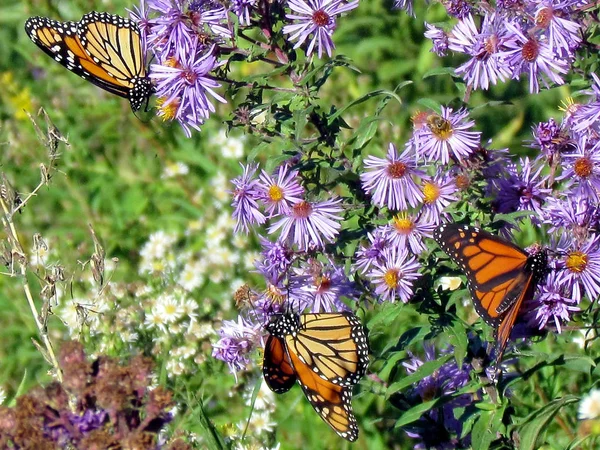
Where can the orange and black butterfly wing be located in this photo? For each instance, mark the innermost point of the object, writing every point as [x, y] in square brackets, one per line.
[332, 402]
[277, 369]
[115, 47]
[103, 49]
[333, 345]
[59, 40]
[506, 325]
[496, 269]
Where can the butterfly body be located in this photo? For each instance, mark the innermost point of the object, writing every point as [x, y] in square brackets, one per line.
[500, 275]
[327, 353]
[102, 48]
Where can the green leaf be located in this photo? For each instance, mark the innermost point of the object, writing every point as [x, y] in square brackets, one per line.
[430, 104]
[416, 412]
[425, 370]
[534, 424]
[458, 339]
[440, 71]
[483, 434]
[362, 99]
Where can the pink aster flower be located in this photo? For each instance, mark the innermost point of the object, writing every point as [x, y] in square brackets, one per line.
[310, 225]
[316, 18]
[391, 180]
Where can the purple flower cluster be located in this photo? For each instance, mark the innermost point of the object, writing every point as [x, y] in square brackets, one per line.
[182, 35]
[298, 274]
[535, 38]
[400, 184]
[439, 427]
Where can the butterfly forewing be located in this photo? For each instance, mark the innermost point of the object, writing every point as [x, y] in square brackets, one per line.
[495, 269]
[102, 48]
[334, 345]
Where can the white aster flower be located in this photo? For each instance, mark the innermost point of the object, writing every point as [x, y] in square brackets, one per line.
[168, 307]
[192, 275]
[173, 169]
[589, 407]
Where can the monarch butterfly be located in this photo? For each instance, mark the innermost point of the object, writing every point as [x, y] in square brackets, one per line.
[328, 354]
[500, 275]
[102, 48]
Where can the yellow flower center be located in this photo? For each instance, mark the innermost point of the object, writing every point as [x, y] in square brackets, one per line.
[544, 17]
[390, 278]
[167, 111]
[403, 224]
[577, 262]
[320, 18]
[274, 294]
[431, 192]
[322, 283]
[275, 193]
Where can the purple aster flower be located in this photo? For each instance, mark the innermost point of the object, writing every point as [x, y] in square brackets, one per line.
[406, 5]
[89, 421]
[553, 302]
[140, 15]
[281, 190]
[522, 190]
[245, 200]
[242, 8]
[183, 85]
[170, 30]
[316, 17]
[238, 340]
[576, 214]
[320, 287]
[394, 277]
[438, 193]
[583, 169]
[211, 17]
[439, 39]
[581, 266]
[446, 137]
[276, 259]
[562, 33]
[408, 231]
[510, 4]
[551, 139]
[310, 225]
[391, 180]
[528, 54]
[586, 118]
[485, 66]
[368, 255]
[457, 8]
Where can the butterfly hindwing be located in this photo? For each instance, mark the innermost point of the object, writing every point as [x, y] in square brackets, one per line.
[331, 401]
